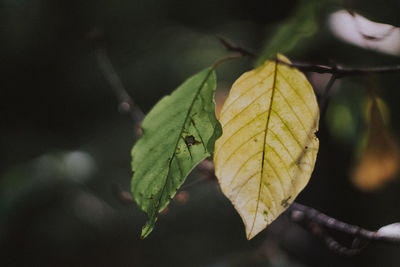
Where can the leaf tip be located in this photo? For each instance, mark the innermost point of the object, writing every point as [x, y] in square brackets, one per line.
[146, 230]
[249, 236]
[149, 226]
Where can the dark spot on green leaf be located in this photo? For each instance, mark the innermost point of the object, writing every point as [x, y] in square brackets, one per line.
[190, 140]
[265, 212]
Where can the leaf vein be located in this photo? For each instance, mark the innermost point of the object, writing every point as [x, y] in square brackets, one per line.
[243, 165]
[265, 140]
[295, 114]
[297, 93]
[289, 130]
[246, 92]
[249, 105]
[157, 205]
[241, 145]
[241, 128]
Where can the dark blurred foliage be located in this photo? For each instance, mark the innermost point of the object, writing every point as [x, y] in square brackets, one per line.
[65, 148]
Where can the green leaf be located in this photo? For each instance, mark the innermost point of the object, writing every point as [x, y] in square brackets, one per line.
[178, 133]
[287, 35]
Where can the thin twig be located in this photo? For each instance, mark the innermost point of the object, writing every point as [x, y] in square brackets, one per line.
[126, 103]
[226, 58]
[334, 245]
[323, 101]
[231, 46]
[340, 71]
[300, 213]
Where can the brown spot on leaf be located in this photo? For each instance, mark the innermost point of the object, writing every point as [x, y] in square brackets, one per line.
[285, 202]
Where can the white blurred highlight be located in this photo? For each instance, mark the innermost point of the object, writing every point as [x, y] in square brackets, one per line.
[77, 166]
[355, 29]
[391, 231]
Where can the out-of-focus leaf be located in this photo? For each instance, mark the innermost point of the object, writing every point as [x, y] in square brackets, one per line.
[301, 25]
[344, 115]
[268, 149]
[379, 160]
[178, 133]
[357, 30]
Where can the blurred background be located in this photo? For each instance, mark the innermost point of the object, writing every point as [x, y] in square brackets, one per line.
[65, 146]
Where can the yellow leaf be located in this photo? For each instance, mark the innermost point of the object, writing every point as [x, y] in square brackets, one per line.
[380, 158]
[268, 149]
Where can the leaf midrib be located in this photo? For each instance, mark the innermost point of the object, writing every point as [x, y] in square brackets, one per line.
[264, 152]
[179, 136]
